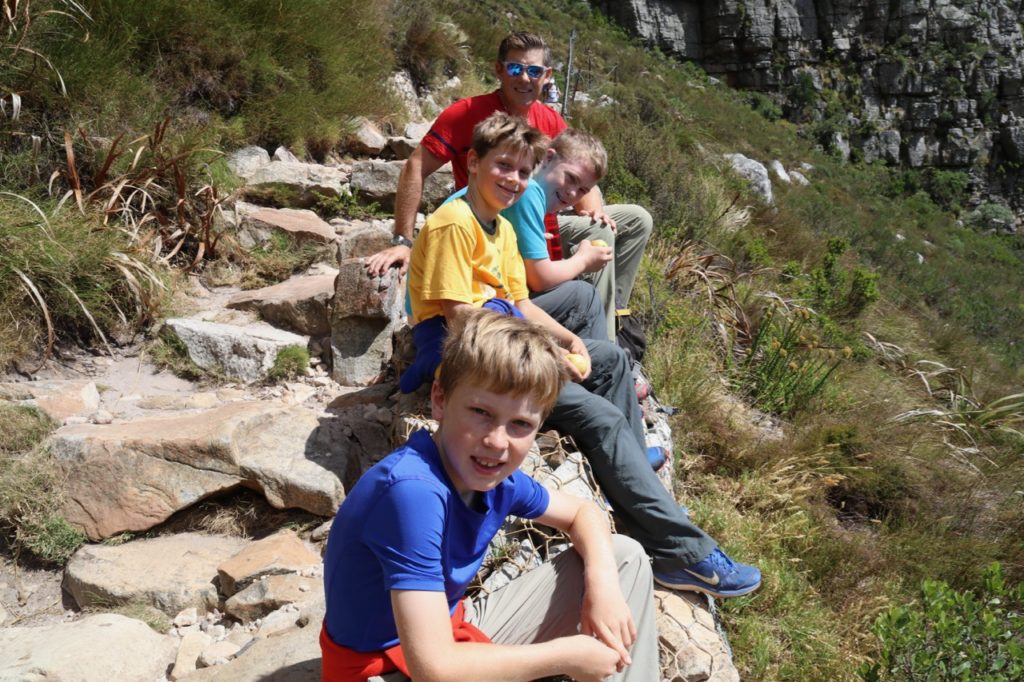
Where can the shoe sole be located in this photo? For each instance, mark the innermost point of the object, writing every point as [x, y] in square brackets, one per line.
[720, 594]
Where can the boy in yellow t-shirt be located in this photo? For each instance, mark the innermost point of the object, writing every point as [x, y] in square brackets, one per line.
[466, 253]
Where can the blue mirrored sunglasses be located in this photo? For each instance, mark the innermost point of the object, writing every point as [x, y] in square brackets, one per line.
[515, 69]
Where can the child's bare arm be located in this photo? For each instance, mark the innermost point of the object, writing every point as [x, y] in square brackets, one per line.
[604, 613]
[543, 273]
[565, 338]
[433, 654]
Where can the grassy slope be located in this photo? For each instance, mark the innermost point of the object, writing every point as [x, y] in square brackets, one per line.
[848, 511]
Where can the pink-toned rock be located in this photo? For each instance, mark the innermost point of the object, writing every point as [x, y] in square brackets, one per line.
[132, 476]
[57, 399]
[278, 554]
[300, 223]
[269, 593]
[299, 304]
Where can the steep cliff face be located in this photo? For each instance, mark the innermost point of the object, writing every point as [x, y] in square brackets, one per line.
[914, 82]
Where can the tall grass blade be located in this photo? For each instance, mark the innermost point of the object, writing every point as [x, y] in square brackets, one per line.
[33, 292]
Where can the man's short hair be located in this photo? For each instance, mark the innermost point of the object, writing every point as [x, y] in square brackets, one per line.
[523, 40]
[515, 133]
[502, 354]
[577, 145]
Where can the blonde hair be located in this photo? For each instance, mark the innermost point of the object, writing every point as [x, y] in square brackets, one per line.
[504, 129]
[502, 354]
[578, 145]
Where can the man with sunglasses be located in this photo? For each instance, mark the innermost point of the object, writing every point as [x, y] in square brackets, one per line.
[522, 69]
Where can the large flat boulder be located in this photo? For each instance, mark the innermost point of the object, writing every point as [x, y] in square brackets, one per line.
[300, 304]
[294, 184]
[139, 571]
[133, 476]
[259, 222]
[246, 352]
[97, 648]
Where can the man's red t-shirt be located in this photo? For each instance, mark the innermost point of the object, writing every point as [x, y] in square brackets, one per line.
[451, 137]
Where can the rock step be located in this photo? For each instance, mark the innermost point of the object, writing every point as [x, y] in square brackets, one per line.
[133, 476]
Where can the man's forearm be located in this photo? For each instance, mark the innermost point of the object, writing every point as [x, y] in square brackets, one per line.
[407, 201]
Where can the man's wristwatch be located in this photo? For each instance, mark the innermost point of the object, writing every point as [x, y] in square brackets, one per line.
[400, 239]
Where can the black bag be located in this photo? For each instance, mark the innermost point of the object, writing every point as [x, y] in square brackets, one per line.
[631, 337]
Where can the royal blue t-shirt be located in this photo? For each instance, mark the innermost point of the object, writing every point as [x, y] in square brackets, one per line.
[527, 218]
[403, 526]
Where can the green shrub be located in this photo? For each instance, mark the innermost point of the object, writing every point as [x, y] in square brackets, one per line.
[950, 635]
[991, 217]
[784, 368]
[293, 73]
[764, 105]
[289, 363]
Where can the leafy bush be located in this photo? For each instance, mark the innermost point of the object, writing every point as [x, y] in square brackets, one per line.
[991, 217]
[291, 73]
[784, 368]
[952, 635]
[764, 105]
[289, 363]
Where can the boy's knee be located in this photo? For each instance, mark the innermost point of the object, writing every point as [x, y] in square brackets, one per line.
[630, 554]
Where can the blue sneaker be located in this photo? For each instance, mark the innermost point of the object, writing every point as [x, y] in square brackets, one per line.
[657, 456]
[716, 574]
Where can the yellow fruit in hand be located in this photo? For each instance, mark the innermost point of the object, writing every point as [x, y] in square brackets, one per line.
[599, 242]
[579, 362]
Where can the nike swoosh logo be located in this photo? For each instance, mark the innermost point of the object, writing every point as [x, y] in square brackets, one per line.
[713, 580]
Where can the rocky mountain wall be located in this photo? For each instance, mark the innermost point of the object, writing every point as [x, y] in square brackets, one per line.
[913, 82]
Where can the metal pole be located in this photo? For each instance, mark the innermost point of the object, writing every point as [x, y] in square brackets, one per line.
[568, 75]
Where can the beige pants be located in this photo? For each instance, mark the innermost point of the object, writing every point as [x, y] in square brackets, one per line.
[545, 604]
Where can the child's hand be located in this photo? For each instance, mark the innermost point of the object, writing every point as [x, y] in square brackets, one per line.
[590, 660]
[593, 257]
[599, 216]
[606, 616]
[579, 368]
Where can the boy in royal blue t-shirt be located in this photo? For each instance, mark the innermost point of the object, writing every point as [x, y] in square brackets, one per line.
[414, 530]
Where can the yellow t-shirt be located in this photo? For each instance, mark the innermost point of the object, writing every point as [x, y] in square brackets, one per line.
[454, 259]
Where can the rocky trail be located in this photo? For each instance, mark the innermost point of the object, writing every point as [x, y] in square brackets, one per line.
[207, 504]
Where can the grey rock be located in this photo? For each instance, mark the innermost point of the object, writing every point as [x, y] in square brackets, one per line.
[377, 181]
[365, 139]
[246, 161]
[139, 571]
[365, 316]
[244, 353]
[756, 175]
[780, 171]
[284, 154]
[114, 648]
[298, 185]
[400, 83]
